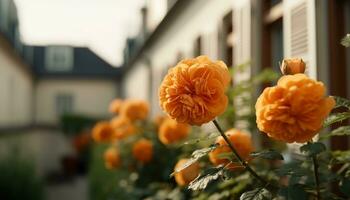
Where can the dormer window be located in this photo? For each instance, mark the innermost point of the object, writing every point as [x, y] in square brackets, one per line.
[59, 58]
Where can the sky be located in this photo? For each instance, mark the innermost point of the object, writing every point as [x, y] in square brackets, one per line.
[101, 25]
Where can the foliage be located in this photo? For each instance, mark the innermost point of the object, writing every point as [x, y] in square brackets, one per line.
[268, 154]
[103, 183]
[196, 155]
[305, 173]
[240, 97]
[346, 41]
[206, 177]
[18, 179]
[75, 123]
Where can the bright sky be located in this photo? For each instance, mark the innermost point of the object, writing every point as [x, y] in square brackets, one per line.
[102, 25]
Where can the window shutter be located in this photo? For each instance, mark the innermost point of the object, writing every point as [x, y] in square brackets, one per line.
[300, 32]
[241, 37]
[241, 54]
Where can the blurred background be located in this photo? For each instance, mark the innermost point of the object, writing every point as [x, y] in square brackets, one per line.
[63, 61]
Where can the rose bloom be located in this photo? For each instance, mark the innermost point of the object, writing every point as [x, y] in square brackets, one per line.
[185, 176]
[294, 109]
[171, 131]
[112, 158]
[103, 132]
[240, 140]
[158, 120]
[81, 141]
[142, 150]
[123, 127]
[115, 106]
[135, 109]
[193, 91]
[293, 66]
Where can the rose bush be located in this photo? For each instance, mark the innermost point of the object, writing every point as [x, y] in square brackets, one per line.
[296, 109]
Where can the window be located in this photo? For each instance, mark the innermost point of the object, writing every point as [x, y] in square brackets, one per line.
[18, 43]
[338, 26]
[272, 41]
[4, 14]
[64, 104]
[228, 39]
[59, 58]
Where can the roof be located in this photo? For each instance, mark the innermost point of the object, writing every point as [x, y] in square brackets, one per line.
[174, 11]
[85, 64]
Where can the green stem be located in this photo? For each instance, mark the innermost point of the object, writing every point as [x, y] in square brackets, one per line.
[241, 161]
[317, 180]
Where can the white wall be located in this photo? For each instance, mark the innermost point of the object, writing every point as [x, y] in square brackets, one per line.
[90, 97]
[15, 89]
[156, 11]
[44, 147]
[136, 82]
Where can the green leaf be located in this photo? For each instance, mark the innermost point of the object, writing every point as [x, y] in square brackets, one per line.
[268, 154]
[346, 41]
[341, 102]
[206, 177]
[294, 192]
[293, 169]
[343, 130]
[344, 187]
[336, 117]
[206, 138]
[342, 156]
[312, 149]
[196, 155]
[267, 75]
[227, 156]
[256, 194]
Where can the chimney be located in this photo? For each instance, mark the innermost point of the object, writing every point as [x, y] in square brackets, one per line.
[144, 30]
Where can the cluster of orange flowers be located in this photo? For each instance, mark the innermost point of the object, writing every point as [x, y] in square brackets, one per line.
[121, 126]
[193, 92]
[293, 111]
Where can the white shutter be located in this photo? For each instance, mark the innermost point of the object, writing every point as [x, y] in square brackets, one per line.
[299, 24]
[241, 37]
[241, 54]
[209, 44]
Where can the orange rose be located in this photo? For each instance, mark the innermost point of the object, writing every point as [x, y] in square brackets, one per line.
[112, 158]
[193, 91]
[142, 150]
[294, 110]
[159, 120]
[171, 131]
[115, 105]
[135, 109]
[123, 127]
[103, 132]
[81, 141]
[185, 176]
[292, 66]
[240, 140]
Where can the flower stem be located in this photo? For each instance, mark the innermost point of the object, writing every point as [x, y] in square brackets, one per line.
[317, 180]
[241, 161]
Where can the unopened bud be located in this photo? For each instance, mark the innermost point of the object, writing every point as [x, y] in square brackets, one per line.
[292, 66]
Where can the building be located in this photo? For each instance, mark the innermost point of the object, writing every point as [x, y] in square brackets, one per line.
[260, 31]
[39, 84]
